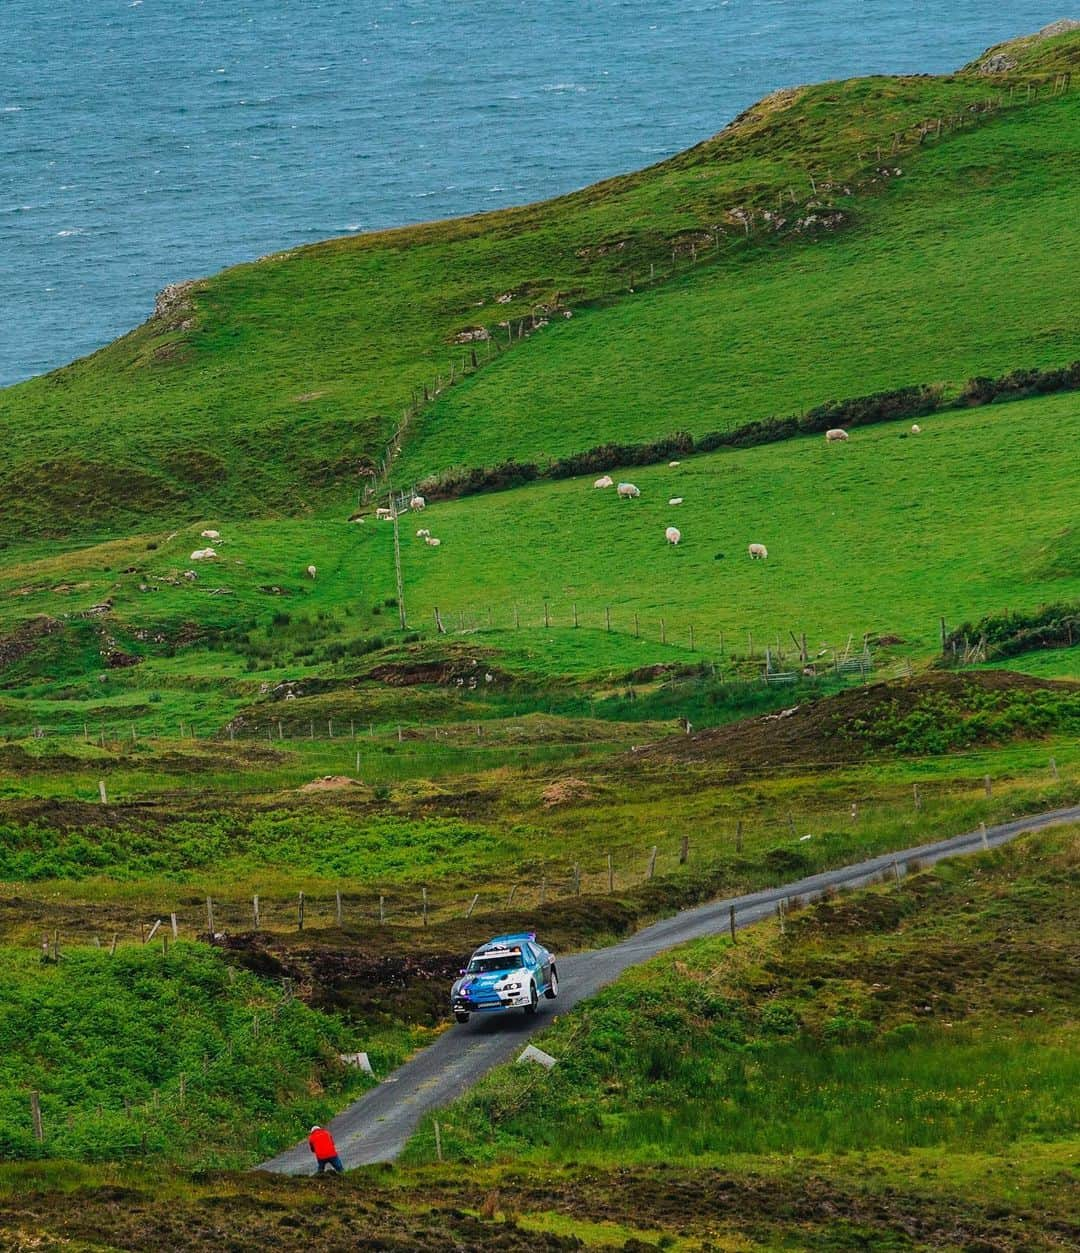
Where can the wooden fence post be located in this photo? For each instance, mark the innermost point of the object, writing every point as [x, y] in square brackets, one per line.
[684, 850]
[731, 922]
[101, 791]
[337, 906]
[987, 785]
[423, 902]
[472, 905]
[915, 794]
[610, 874]
[547, 616]
[255, 911]
[738, 836]
[175, 928]
[300, 912]
[35, 1117]
[780, 916]
[1054, 769]
[607, 617]
[652, 862]
[210, 918]
[982, 832]
[896, 871]
[382, 908]
[438, 1141]
[510, 895]
[577, 879]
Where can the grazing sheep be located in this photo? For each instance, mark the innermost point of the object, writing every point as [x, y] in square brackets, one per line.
[418, 503]
[673, 464]
[311, 572]
[673, 534]
[384, 514]
[756, 551]
[202, 554]
[675, 500]
[423, 533]
[211, 535]
[431, 541]
[836, 435]
[916, 429]
[604, 481]
[627, 491]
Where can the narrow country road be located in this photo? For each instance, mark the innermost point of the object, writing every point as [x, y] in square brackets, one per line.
[376, 1127]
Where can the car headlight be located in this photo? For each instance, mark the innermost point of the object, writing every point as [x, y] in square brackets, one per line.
[513, 987]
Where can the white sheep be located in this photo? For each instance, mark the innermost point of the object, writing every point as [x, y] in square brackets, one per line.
[673, 464]
[418, 503]
[675, 500]
[202, 554]
[211, 535]
[605, 480]
[673, 534]
[756, 551]
[916, 429]
[311, 572]
[431, 541]
[627, 491]
[384, 514]
[423, 533]
[836, 435]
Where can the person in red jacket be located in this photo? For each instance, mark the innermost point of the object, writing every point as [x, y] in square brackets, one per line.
[321, 1143]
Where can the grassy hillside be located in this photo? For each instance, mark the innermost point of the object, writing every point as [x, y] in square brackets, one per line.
[263, 390]
[951, 270]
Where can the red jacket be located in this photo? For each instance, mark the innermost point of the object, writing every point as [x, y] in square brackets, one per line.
[321, 1143]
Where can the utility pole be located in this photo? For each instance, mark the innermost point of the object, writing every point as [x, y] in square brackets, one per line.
[397, 564]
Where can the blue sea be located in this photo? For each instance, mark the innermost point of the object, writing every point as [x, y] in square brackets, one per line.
[145, 141]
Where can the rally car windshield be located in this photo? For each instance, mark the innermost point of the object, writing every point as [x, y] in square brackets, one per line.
[486, 965]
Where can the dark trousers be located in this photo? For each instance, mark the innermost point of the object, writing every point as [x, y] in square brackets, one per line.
[333, 1162]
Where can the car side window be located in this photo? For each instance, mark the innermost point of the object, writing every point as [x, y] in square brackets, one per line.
[535, 952]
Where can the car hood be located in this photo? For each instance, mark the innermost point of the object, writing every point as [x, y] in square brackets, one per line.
[491, 981]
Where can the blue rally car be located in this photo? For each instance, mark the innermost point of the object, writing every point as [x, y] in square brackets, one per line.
[508, 972]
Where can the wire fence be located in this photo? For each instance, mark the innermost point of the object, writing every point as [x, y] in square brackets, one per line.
[861, 826]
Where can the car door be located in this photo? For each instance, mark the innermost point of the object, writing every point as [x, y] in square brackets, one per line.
[542, 958]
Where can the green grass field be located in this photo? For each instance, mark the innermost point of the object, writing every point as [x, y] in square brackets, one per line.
[887, 533]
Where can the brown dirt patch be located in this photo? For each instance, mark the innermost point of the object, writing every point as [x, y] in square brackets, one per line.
[565, 792]
[824, 732]
[330, 783]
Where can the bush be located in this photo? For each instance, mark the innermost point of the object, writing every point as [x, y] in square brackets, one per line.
[1009, 634]
[786, 861]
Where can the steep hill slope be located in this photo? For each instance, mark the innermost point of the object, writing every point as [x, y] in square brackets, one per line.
[951, 268]
[268, 387]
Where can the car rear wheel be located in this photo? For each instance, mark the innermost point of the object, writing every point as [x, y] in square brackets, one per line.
[553, 987]
[534, 1000]
[461, 1015]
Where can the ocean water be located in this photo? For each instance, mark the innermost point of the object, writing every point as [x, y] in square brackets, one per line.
[145, 141]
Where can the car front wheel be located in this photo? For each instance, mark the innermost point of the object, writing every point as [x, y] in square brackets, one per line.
[534, 1000]
[553, 986]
